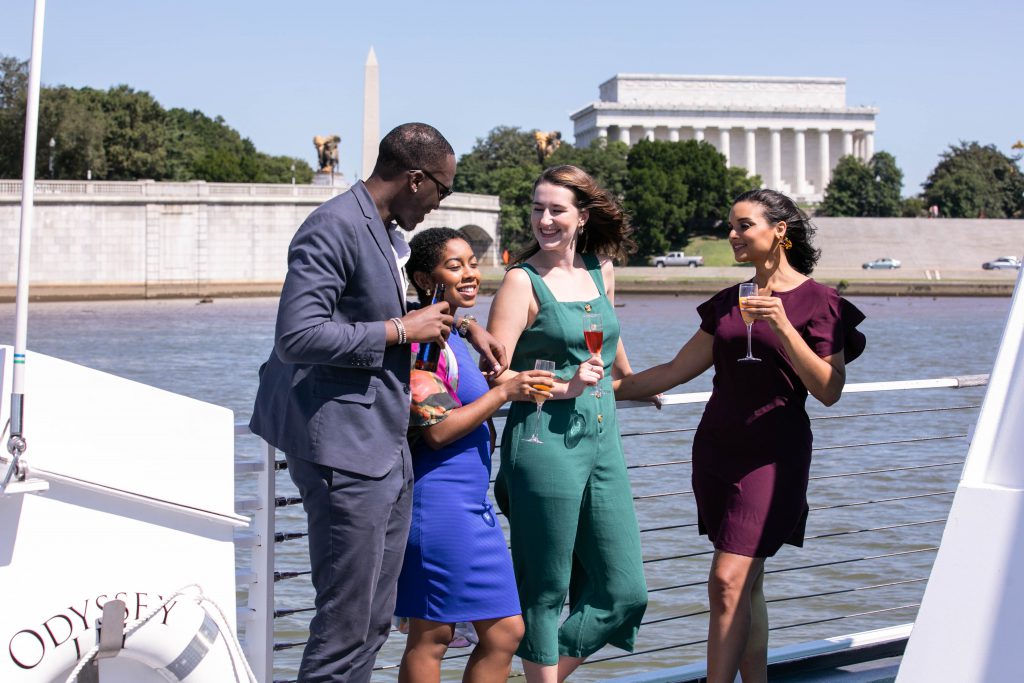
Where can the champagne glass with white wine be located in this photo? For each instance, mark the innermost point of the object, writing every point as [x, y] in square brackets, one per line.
[540, 386]
[747, 289]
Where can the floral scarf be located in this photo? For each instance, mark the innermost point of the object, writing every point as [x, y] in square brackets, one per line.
[434, 394]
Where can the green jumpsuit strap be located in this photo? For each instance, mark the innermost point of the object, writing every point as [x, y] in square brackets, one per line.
[544, 295]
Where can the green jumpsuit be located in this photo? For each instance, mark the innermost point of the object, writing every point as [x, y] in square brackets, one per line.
[568, 500]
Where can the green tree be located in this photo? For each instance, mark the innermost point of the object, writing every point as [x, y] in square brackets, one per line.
[607, 162]
[847, 194]
[676, 189]
[888, 185]
[76, 121]
[13, 84]
[739, 182]
[504, 163]
[123, 134]
[975, 181]
[864, 189]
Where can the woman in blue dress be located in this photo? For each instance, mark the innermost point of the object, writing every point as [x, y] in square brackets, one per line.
[457, 567]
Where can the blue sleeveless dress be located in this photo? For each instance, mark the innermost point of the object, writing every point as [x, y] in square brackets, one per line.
[457, 566]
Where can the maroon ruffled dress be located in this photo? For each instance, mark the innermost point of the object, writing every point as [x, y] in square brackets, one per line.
[752, 449]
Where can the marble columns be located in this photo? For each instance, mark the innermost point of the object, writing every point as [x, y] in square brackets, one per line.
[825, 170]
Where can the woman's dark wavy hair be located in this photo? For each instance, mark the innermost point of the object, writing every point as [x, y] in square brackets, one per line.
[799, 228]
[427, 249]
[607, 231]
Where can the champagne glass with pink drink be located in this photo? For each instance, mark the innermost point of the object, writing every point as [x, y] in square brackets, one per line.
[593, 333]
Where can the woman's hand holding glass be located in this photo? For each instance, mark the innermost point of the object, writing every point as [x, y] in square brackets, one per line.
[766, 308]
[588, 374]
[543, 391]
[529, 386]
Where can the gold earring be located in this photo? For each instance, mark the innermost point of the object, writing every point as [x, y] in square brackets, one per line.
[787, 243]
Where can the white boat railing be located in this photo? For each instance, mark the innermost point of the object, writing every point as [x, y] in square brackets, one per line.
[670, 572]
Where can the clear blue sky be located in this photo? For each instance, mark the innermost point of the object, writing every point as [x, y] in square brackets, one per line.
[283, 71]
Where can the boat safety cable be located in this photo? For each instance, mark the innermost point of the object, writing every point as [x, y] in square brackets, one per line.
[850, 560]
[855, 589]
[835, 534]
[639, 653]
[231, 643]
[887, 413]
[674, 617]
[694, 584]
[645, 465]
[888, 527]
[881, 500]
[669, 527]
[846, 616]
[281, 576]
[680, 617]
[886, 471]
[666, 494]
[918, 439]
[656, 432]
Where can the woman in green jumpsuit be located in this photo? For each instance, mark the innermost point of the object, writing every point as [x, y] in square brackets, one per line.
[568, 500]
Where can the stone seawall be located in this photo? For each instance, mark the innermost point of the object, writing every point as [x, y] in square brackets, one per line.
[149, 240]
[146, 239]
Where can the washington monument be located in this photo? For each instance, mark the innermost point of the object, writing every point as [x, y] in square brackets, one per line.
[371, 114]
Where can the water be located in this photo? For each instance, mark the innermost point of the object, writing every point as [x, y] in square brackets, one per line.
[212, 351]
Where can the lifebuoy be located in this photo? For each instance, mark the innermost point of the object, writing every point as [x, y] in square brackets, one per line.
[184, 640]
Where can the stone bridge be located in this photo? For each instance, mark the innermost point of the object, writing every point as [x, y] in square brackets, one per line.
[148, 239]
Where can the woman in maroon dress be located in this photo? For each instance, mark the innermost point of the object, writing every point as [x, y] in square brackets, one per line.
[752, 450]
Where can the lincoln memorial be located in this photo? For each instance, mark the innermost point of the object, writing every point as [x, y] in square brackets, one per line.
[790, 131]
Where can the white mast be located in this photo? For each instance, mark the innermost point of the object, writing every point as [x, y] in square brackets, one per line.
[16, 445]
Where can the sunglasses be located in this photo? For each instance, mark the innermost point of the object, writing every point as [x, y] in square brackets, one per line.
[442, 189]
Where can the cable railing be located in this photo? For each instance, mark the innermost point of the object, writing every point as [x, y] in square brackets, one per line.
[881, 483]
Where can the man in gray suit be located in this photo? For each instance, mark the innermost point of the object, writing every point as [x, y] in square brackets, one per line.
[334, 395]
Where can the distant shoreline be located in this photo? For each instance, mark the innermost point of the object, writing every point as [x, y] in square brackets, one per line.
[628, 281]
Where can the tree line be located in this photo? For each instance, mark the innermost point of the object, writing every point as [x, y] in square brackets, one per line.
[124, 134]
[676, 190]
[970, 181]
[672, 190]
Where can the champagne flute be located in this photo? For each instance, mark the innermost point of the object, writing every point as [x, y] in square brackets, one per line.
[545, 385]
[747, 289]
[593, 333]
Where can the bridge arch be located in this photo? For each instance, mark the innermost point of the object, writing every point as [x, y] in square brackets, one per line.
[481, 241]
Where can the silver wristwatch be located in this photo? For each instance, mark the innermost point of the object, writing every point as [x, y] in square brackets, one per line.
[464, 324]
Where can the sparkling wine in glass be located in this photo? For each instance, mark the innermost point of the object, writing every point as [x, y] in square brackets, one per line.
[593, 333]
[747, 289]
[549, 366]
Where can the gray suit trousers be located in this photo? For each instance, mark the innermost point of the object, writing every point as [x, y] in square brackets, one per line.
[358, 527]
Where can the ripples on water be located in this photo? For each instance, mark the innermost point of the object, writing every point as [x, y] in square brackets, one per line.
[212, 351]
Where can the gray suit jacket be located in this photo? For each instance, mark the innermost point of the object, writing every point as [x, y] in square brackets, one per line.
[331, 392]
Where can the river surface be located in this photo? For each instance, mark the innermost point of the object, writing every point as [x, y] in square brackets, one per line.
[212, 351]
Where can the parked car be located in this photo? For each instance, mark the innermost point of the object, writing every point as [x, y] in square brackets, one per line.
[884, 262]
[1003, 262]
[677, 258]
